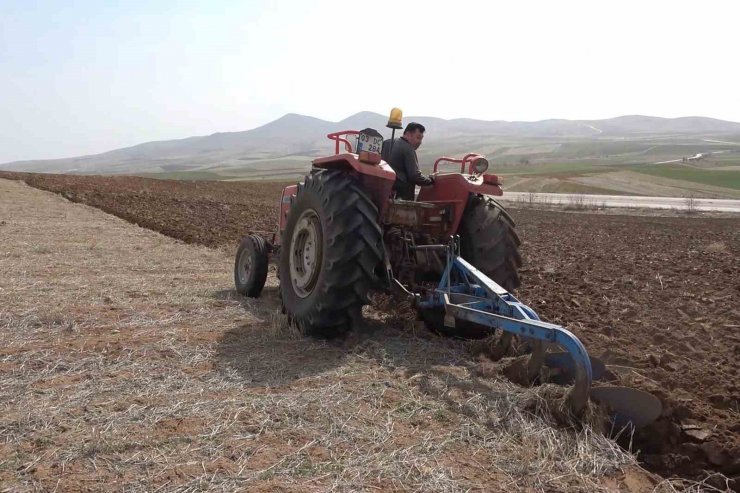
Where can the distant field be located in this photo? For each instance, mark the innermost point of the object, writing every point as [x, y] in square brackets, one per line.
[617, 165]
[718, 179]
[185, 175]
[238, 175]
[553, 169]
[558, 186]
[609, 153]
[715, 177]
[712, 179]
[726, 159]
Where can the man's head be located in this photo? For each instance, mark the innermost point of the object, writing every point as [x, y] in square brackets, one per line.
[414, 134]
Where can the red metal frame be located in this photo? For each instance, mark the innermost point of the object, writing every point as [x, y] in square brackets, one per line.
[377, 180]
[454, 189]
[286, 200]
[337, 137]
[470, 157]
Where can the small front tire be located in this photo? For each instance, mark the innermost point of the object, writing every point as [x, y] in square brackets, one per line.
[250, 266]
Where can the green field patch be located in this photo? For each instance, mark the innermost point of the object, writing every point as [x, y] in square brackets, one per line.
[555, 169]
[594, 149]
[714, 177]
[728, 159]
[565, 187]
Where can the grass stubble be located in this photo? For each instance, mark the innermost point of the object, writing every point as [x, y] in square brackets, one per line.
[127, 363]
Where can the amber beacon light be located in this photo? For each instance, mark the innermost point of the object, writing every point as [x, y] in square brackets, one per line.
[394, 121]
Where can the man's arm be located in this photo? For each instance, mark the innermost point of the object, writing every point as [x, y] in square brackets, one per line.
[412, 170]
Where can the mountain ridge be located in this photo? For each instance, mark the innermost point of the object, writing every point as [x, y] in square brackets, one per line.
[294, 134]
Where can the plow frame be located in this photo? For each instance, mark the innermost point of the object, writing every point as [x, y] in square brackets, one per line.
[476, 298]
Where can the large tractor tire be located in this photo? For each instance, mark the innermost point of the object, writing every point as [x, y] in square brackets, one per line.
[488, 241]
[331, 246]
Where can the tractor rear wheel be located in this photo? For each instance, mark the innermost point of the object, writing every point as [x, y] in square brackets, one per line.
[489, 242]
[331, 245]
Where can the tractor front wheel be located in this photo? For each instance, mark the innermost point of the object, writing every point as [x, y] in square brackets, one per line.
[331, 246]
[250, 266]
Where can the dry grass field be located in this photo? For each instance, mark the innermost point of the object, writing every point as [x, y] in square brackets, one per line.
[128, 364]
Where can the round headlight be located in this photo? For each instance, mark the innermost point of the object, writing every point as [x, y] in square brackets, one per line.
[480, 165]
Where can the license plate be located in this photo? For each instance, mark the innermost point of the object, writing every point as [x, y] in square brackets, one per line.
[369, 143]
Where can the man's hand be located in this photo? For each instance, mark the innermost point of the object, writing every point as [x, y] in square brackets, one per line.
[432, 178]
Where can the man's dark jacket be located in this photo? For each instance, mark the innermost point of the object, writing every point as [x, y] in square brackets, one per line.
[404, 162]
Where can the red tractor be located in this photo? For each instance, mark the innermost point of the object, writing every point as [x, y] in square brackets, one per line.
[342, 233]
[453, 250]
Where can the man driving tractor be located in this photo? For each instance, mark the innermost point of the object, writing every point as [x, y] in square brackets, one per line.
[401, 156]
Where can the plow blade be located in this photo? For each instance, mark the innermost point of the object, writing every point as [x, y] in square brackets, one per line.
[566, 370]
[628, 405]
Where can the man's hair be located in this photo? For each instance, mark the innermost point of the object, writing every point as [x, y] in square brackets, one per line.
[413, 127]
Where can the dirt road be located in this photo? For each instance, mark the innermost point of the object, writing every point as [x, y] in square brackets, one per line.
[578, 200]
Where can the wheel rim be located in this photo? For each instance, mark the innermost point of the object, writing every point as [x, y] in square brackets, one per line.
[245, 266]
[305, 253]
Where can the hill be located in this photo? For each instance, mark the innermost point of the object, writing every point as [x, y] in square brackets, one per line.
[285, 146]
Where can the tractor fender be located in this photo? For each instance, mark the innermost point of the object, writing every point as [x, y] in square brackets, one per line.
[376, 180]
[286, 200]
[351, 161]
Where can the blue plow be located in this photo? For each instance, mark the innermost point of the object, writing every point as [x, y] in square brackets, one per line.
[467, 294]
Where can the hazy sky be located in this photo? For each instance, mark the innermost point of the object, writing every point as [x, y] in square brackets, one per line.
[81, 77]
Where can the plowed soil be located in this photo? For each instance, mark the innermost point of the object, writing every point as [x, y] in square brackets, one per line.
[200, 212]
[656, 297]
